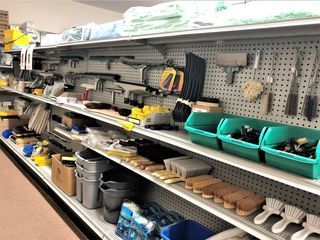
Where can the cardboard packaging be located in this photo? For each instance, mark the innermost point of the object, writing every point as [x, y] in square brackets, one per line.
[63, 176]
[197, 108]
[6, 123]
[68, 121]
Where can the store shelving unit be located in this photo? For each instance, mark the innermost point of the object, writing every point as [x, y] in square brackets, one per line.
[181, 140]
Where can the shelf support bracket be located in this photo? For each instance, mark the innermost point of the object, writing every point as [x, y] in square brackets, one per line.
[161, 48]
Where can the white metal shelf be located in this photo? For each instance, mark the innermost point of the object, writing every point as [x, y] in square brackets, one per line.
[180, 139]
[285, 28]
[93, 218]
[245, 223]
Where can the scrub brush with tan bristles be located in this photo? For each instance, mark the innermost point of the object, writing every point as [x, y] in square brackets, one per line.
[199, 186]
[249, 205]
[218, 194]
[190, 181]
[208, 191]
[230, 200]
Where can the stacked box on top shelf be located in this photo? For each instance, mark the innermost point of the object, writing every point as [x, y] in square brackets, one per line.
[4, 23]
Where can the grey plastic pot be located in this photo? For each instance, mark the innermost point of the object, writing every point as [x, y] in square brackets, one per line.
[91, 175]
[112, 198]
[118, 179]
[88, 192]
[78, 186]
[94, 163]
[111, 216]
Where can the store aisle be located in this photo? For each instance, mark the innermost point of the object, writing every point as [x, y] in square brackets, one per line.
[24, 212]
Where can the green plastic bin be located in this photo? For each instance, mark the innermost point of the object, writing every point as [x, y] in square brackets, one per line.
[203, 127]
[241, 148]
[287, 161]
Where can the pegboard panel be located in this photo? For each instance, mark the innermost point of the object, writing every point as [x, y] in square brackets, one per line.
[231, 96]
[171, 202]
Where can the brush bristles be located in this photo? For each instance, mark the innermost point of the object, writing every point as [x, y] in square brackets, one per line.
[191, 181]
[210, 189]
[274, 203]
[224, 191]
[251, 202]
[232, 198]
[294, 212]
[267, 102]
[313, 220]
[199, 186]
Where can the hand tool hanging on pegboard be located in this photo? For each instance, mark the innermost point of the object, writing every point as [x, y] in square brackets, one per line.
[268, 98]
[144, 66]
[231, 63]
[192, 87]
[310, 104]
[292, 99]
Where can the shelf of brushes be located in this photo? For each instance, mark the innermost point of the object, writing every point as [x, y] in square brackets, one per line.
[245, 223]
[180, 139]
[285, 28]
[93, 218]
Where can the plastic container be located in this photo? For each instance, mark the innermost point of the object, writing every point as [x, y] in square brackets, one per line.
[111, 216]
[203, 128]
[112, 198]
[15, 39]
[88, 192]
[118, 179]
[92, 161]
[186, 230]
[90, 175]
[291, 162]
[78, 186]
[244, 149]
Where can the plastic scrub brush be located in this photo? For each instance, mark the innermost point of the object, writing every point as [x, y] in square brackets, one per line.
[291, 214]
[312, 225]
[273, 206]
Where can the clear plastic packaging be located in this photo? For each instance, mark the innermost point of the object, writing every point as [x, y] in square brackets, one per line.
[106, 30]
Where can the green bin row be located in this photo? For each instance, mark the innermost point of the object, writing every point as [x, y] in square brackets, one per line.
[212, 130]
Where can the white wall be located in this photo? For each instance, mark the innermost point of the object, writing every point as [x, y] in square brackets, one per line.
[55, 15]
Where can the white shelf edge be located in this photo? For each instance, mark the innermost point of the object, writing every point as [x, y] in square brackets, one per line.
[102, 229]
[281, 25]
[6, 67]
[306, 184]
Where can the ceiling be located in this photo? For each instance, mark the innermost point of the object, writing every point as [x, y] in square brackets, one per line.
[119, 5]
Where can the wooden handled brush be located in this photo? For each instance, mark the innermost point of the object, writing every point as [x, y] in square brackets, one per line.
[249, 205]
[199, 186]
[218, 194]
[190, 181]
[209, 190]
[230, 200]
[267, 100]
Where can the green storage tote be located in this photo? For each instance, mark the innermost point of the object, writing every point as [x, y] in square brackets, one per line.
[241, 148]
[287, 161]
[203, 127]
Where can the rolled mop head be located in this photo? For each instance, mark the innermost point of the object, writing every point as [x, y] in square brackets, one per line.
[252, 90]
